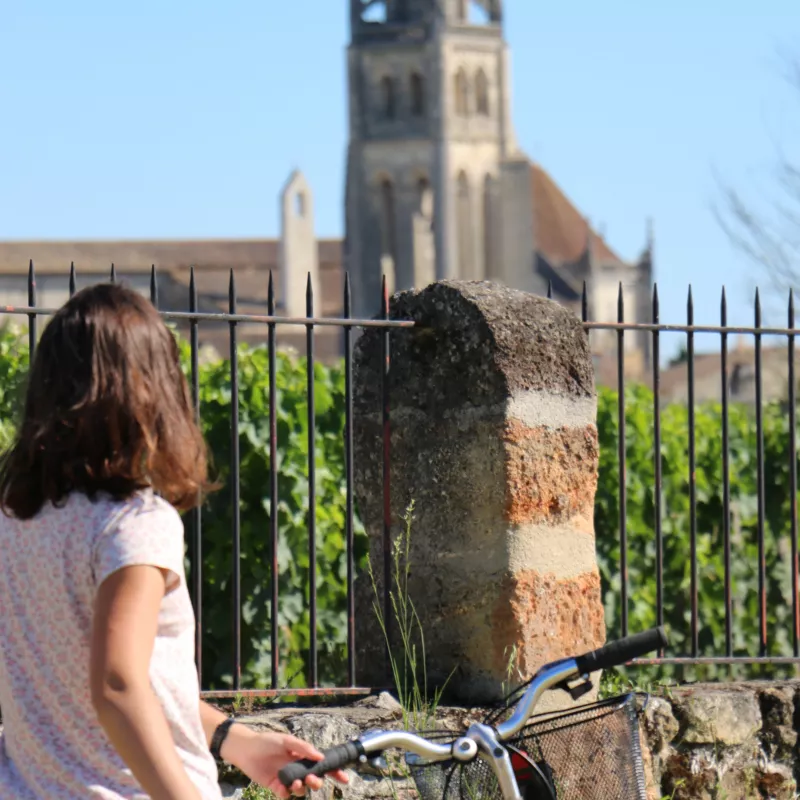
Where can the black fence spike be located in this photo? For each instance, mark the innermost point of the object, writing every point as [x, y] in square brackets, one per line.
[153, 286]
[270, 296]
[584, 304]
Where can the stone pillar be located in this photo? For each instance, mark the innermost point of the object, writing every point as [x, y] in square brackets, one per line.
[493, 437]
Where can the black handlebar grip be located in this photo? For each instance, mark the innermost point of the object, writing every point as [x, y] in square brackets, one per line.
[336, 758]
[621, 651]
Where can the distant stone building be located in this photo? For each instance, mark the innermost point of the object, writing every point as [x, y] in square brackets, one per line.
[740, 376]
[436, 187]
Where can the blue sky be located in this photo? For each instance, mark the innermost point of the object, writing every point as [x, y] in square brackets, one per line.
[184, 118]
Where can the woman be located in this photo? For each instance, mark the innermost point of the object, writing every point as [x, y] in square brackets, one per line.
[98, 688]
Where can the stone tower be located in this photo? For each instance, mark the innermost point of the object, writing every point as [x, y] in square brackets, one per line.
[298, 259]
[429, 130]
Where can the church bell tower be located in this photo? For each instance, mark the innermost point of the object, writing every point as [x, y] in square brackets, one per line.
[429, 127]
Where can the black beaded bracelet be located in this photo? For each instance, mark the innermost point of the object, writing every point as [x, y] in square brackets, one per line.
[219, 737]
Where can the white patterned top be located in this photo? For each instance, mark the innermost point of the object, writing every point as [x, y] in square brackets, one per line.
[52, 744]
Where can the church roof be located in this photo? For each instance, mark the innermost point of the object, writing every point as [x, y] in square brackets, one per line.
[96, 256]
[559, 228]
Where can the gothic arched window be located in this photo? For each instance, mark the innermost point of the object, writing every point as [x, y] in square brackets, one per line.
[465, 228]
[387, 218]
[417, 95]
[482, 94]
[425, 198]
[490, 265]
[461, 89]
[387, 98]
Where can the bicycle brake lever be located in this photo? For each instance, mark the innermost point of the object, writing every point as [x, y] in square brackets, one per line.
[578, 690]
[377, 762]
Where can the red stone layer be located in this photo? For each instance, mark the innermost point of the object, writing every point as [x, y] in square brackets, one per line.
[546, 619]
[551, 474]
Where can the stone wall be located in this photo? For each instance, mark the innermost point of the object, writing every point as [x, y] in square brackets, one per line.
[703, 742]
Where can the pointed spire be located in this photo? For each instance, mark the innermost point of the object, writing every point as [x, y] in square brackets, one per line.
[791, 309]
[232, 293]
[347, 296]
[550, 289]
[723, 309]
[113, 274]
[620, 304]
[270, 296]
[655, 304]
[757, 310]
[690, 307]
[71, 278]
[31, 284]
[192, 291]
[584, 304]
[309, 297]
[153, 286]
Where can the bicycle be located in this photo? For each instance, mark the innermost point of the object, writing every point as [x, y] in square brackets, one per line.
[520, 758]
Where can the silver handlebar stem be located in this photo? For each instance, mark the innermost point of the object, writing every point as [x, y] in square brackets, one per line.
[549, 676]
[378, 741]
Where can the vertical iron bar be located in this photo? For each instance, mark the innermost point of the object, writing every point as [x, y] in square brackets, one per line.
[549, 289]
[387, 504]
[692, 471]
[273, 484]
[312, 491]
[31, 316]
[72, 278]
[197, 523]
[726, 477]
[623, 488]
[657, 464]
[235, 492]
[793, 480]
[153, 286]
[113, 276]
[349, 511]
[762, 564]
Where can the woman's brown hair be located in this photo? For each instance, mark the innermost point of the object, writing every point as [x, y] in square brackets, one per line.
[107, 409]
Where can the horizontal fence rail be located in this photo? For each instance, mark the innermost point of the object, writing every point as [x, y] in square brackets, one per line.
[701, 574]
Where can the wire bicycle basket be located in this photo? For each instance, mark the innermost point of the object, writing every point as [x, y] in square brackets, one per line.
[589, 753]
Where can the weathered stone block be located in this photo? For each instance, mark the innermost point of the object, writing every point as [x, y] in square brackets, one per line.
[719, 717]
[493, 437]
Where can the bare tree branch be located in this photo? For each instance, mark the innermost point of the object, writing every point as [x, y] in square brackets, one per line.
[771, 239]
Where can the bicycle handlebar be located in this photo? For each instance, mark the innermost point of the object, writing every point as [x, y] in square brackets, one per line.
[336, 758]
[622, 651]
[557, 673]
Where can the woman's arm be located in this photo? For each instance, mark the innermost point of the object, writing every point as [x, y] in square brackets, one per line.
[124, 632]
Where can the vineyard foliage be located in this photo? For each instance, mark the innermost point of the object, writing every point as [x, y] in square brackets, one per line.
[293, 510]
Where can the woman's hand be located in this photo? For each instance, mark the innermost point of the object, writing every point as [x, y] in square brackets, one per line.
[260, 755]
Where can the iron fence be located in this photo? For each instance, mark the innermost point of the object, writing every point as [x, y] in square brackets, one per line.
[347, 323]
[725, 652]
[728, 653]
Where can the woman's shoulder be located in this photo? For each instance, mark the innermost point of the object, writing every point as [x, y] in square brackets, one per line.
[144, 508]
